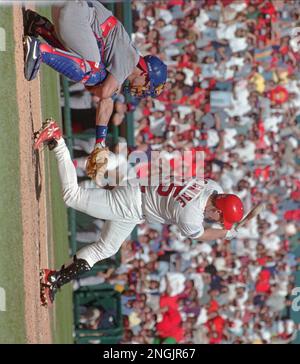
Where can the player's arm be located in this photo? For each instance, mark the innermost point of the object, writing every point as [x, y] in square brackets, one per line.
[104, 111]
[107, 88]
[105, 91]
[97, 161]
[212, 234]
[96, 164]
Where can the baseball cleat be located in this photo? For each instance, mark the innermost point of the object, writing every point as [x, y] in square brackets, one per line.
[48, 288]
[48, 134]
[32, 57]
[47, 276]
[30, 19]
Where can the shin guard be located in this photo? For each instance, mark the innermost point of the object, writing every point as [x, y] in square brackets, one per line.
[72, 66]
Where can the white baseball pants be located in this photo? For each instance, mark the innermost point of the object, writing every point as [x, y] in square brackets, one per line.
[120, 207]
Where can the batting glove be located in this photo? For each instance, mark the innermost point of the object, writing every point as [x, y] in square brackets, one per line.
[231, 234]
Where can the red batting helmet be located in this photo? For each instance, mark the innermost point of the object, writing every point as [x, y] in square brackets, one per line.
[231, 207]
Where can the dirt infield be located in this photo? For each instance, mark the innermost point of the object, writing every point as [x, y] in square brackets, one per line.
[33, 196]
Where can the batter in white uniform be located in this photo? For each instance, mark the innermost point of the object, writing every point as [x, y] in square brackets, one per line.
[124, 207]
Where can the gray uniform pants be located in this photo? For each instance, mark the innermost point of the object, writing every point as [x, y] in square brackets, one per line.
[78, 27]
[73, 25]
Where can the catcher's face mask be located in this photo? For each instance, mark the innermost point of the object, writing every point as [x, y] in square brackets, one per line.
[145, 85]
[145, 90]
[139, 86]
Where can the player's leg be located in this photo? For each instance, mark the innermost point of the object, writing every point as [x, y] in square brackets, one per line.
[68, 64]
[37, 25]
[96, 202]
[72, 25]
[72, 22]
[114, 233]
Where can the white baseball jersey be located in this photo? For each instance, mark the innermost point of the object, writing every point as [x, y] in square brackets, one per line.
[181, 205]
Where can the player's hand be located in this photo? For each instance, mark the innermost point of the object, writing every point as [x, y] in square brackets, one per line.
[231, 234]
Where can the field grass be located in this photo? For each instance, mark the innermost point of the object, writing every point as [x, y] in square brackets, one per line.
[12, 325]
[63, 315]
[12, 321]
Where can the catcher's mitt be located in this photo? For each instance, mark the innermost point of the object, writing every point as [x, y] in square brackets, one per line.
[96, 164]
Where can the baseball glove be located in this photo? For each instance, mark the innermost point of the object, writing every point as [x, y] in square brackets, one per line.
[96, 164]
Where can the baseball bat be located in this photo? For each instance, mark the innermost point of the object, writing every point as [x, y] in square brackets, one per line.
[256, 210]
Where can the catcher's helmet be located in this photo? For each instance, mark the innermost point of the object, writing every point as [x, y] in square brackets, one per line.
[231, 207]
[157, 71]
[157, 74]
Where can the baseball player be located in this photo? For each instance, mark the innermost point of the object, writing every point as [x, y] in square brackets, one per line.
[87, 44]
[124, 207]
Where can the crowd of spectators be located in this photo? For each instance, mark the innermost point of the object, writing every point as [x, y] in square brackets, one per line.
[232, 92]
